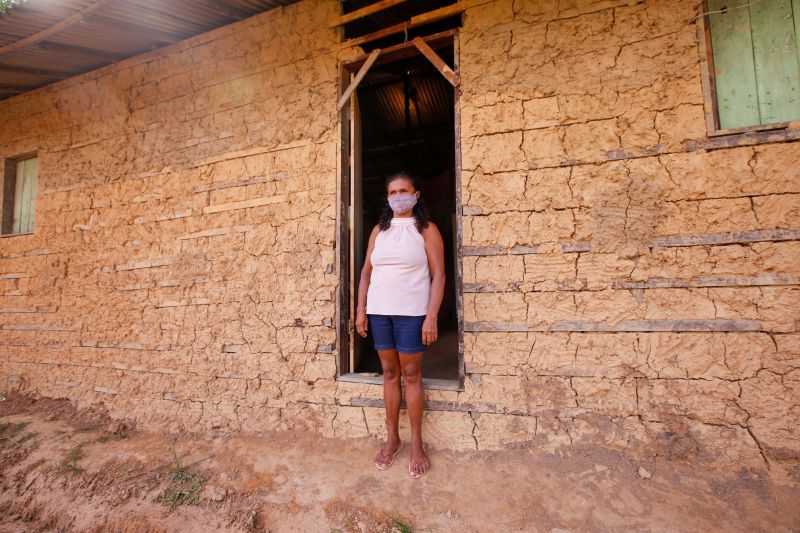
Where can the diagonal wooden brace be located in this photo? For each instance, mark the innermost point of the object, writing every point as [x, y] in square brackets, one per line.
[360, 76]
[437, 61]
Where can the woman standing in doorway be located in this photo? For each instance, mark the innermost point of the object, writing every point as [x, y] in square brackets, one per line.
[401, 289]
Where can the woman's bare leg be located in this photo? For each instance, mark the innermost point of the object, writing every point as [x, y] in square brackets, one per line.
[411, 368]
[390, 363]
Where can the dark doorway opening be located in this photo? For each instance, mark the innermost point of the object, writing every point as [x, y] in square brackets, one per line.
[404, 119]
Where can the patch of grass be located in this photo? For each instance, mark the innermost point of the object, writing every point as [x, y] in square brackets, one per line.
[70, 463]
[179, 472]
[185, 486]
[185, 493]
[398, 525]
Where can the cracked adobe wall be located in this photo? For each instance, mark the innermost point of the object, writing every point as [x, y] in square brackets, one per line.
[181, 272]
[628, 278]
[627, 281]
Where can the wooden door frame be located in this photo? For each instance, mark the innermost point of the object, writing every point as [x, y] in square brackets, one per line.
[345, 297]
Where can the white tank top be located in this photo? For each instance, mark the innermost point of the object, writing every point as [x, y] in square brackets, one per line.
[401, 280]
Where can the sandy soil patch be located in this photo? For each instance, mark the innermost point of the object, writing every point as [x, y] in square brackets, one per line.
[63, 470]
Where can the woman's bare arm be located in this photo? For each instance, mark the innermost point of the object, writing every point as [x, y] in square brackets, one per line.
[434, 248]
[363, 285]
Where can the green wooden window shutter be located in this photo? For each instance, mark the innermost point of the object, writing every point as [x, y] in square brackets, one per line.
[25, 195]
[756, 61]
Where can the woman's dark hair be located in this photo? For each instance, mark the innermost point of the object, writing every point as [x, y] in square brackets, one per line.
[420, 210]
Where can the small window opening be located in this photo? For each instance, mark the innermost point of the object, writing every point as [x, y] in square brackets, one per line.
[19, 195]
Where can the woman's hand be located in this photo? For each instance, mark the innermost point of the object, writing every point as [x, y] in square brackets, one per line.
[361, 323]
[430, 330]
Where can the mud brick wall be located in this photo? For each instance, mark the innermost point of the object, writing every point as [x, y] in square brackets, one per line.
[181, 271]
[628, 281]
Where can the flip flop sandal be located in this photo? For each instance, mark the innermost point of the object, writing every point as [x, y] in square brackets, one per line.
[412, 464]
[385, 466]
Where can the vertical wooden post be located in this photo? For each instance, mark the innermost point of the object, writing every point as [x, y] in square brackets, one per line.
[343, 244]
[459, 206]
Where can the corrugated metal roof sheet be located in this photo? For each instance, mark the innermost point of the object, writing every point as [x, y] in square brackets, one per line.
[382, 96]
[384, 104]
[113, 30]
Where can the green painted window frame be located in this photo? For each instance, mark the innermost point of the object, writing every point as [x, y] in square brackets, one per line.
[20, 177]
[765, 94]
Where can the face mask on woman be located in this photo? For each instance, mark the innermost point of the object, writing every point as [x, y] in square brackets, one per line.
[402, 203]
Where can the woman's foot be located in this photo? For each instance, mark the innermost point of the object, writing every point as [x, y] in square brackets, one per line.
[386, 455]
[419, 463]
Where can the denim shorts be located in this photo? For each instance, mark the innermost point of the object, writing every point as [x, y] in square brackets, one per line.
[403, 333]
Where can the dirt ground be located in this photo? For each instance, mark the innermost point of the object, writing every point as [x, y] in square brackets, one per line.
[63, 470]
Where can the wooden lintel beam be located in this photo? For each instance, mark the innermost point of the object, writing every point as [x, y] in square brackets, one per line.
[403, 50]
[413, 22]
[437, 61]
[360, 76]
[55, 28]
[365, 11]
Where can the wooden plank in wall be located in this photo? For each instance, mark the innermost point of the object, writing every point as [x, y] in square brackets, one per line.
[437, 61]
[18, 193]
[25, 195]
[734, 69]
[775, 53]
[380, 5]
[359, 76]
